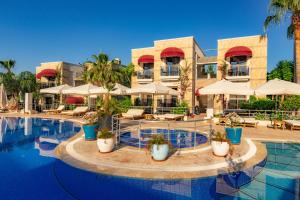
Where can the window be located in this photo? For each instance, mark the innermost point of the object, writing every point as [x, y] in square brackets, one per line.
[148, 66]
[206, 71]
[173, 60]
[235, 101]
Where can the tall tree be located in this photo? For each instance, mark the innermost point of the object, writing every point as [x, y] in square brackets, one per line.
[284, 70]
[27, 82]
[101, 71]
[287, 9]
[7, 65]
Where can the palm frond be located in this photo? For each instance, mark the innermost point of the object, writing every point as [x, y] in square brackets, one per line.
[290, 31]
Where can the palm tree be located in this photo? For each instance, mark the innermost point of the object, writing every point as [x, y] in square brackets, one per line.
[103, 72]
[27, 82]
[184, 80]
[280, 10]
[8, 65]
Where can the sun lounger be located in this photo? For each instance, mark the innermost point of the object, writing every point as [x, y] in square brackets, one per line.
[292, 124]
[133, 114]
[249, 122]
[57, 110]
[76, 112]
[169, 117]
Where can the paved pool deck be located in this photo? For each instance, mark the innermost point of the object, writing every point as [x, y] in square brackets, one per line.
[189, 163]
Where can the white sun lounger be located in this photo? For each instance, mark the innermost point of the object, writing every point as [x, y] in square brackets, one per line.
[169, 117]
[292, 124]
[133, 114]
[77, 111]
[57, 110]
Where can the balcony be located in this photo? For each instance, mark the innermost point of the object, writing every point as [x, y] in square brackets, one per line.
[238, 72]
[145, 76]
[170, 73]
[47, 85]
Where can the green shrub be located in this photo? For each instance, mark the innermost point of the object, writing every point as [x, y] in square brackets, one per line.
[125, 104]
[290, 103]
[258, 104]
[180, 109]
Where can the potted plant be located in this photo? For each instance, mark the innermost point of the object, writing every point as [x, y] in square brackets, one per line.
[233, 132]
[159, 147]
[90, 127]
[106, 140]
[220, 144]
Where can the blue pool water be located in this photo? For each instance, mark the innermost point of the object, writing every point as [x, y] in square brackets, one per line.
[177, 138]
[280, 177]
[28, 170]
[27, 160]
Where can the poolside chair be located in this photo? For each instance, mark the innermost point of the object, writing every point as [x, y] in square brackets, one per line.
[292, 124]
[133, 114]
[248, 122]
[76, 112]
[57, 110]
[173, 117]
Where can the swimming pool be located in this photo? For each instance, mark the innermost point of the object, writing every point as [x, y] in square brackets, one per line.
[177, 138]
[26, 157]
[28, 170]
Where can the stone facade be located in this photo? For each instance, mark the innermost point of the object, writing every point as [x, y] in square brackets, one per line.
[252, 73]
[70, 73]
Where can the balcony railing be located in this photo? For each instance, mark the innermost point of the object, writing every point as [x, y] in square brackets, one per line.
[169, 71]
[47, 85]
[236, 71]
[146, 74]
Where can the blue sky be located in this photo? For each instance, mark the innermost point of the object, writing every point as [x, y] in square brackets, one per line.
[36, 31]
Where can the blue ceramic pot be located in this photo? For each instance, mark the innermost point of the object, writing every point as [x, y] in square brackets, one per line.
[90, 131]
[234, 134]
[160, 152]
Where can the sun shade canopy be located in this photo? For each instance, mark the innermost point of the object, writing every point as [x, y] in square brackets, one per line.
[278, 87]
[146, 59]
[55, 90]
[172, 52]
[153, 88]
[238, 51]
[84, 90]
[46, 73]
[225, 87]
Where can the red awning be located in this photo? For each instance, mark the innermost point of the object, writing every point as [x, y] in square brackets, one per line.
[46, 73]
[74, 100]
[172, 52]
[197, 92]
[146, 59]
[238, 51]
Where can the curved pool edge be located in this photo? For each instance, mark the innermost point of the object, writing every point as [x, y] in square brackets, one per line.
[152, 169]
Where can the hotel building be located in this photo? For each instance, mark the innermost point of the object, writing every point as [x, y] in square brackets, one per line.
[246, 59]
[52, 74]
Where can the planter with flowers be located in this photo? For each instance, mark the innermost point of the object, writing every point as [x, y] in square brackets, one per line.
[106, 140]
[159, 147]
[220, 144]
[233, 132]
[90, 127]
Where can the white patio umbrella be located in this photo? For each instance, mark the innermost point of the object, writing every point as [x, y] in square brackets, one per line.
[153, 88]
[55, 90]
[278, 87]
[118, 90]
[84, 90]
[225, 87]
[3, 97]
